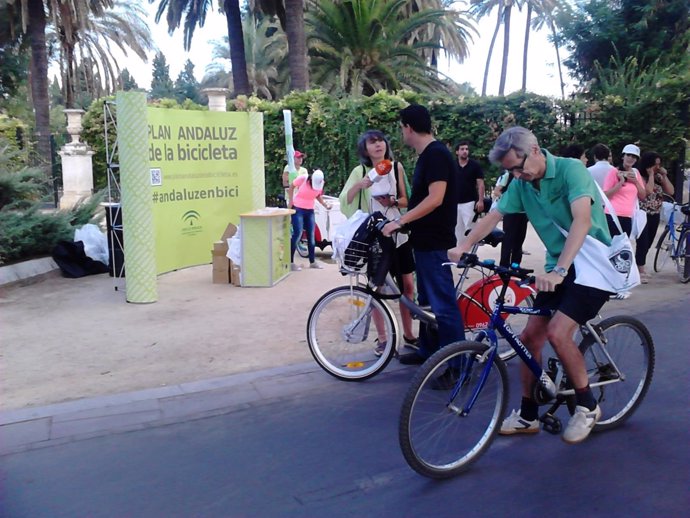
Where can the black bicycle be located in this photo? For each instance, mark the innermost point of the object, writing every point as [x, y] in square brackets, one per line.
[445, 427]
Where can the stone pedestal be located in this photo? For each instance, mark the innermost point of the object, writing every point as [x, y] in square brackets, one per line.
[77, 166]
[217, 98]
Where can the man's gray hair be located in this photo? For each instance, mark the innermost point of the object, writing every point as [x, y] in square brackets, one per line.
[518, 138]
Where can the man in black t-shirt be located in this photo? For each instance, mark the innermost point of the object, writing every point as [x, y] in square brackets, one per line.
[431, 216]
[470, 189]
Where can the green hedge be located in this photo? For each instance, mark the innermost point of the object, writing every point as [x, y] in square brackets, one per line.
[326, 127]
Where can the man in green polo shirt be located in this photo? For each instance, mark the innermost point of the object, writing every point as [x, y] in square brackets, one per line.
[550, 189]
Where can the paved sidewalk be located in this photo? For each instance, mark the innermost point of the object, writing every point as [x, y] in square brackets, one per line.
[78, 361]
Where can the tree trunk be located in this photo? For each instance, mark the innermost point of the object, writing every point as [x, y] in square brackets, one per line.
[524, 50]
[558, 58]
[491, 49]
[506, 48]
[240, 80]
[297, 44]
[70, 76]
[36, 31]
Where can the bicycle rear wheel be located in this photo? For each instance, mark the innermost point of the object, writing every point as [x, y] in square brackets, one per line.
[436, 438]
[342, 335]
[630, 349]
[682, 266]
[664, 249]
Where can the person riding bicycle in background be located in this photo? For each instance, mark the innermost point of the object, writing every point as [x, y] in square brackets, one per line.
[387, 196]
[431, 216]
[550, 190]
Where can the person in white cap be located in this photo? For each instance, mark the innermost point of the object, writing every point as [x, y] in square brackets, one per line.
[624, 187]
[309, 189]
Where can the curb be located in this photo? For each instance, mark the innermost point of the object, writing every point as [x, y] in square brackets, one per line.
[30, 428]
[27, 272]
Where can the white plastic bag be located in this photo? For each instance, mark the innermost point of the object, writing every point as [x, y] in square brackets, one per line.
[345, 231]
[95, 242]
[235, 247]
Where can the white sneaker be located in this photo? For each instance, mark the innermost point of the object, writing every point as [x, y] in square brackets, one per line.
[316, 266]
[295, 267]
[514, 423]
[581, 424]
[620, 296]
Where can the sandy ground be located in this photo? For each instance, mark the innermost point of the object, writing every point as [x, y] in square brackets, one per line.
[64, 339]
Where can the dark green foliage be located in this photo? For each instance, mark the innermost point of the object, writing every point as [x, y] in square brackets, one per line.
[161, 84]
[27, 230]
[646, 30]
[186, 85]
[127, 82]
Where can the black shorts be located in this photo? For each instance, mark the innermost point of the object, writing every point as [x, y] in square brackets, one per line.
[581, 303]
[402, 262]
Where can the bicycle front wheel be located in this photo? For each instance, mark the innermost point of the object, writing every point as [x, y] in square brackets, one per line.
[664, 249]
[442, 430]
[682, 265]
[342, 333]
[621, 371]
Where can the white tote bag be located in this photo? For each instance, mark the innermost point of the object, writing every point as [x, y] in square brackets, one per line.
[610, 268]
[639, 221]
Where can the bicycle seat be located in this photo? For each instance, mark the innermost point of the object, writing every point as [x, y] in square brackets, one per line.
[494, 238]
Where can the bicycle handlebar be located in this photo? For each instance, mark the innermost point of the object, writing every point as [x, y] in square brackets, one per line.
[525, 274]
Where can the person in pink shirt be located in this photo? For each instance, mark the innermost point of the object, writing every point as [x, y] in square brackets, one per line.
[624, 187]
[309, 189]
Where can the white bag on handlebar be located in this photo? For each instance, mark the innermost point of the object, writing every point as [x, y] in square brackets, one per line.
[345, 231]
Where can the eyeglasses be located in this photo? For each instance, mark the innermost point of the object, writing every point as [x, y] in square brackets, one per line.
[518, 168]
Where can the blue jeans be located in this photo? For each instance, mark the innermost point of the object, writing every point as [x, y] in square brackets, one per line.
[435, 288]
[303, 219]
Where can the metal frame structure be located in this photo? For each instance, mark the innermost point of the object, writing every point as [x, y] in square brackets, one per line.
[113, 205]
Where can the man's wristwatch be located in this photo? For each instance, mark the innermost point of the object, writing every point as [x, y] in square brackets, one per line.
[560, 271]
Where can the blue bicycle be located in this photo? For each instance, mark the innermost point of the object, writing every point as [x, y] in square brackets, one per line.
[457, 400]
[674, 243]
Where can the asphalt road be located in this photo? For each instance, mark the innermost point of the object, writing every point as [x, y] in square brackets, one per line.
[334, 452]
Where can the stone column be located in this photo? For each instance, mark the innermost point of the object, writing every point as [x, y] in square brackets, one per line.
[216, 98]
[77, 167]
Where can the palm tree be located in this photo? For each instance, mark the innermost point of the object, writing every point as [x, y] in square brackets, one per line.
[194, 12]
[507, 8]
[296, 36]
[452, 33]
[121, 27]
[361, 46]
[265, 52]
[551, 13]
[34, 15]
[481, 8]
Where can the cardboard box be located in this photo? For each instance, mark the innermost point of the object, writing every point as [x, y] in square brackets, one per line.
[222, 266]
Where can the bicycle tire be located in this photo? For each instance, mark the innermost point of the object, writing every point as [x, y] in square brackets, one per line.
[303, 248]
[341, 337]
[630, 346]
[682, 267]
[664, 249]
[435, 440]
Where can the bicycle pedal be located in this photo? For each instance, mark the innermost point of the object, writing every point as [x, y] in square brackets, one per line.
[551, 424]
